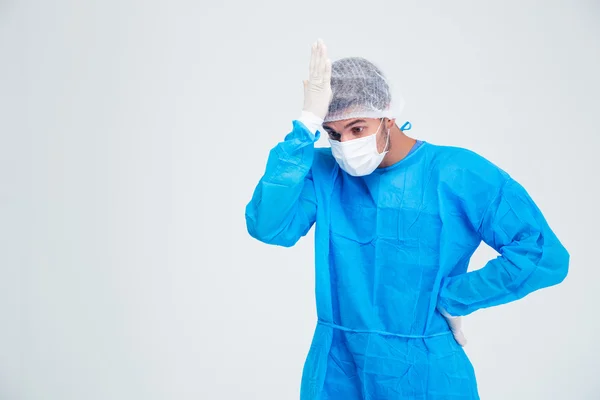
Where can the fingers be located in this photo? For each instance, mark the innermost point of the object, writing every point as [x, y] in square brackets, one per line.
[327, 73]
[460, 338]
[320, 65]
[318, 60]
[313, 56]
[456, 328]
[323, 59]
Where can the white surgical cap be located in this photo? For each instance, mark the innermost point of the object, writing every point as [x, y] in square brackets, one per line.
[359, 91]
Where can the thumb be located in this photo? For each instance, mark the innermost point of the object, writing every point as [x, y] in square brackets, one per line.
[460, 338]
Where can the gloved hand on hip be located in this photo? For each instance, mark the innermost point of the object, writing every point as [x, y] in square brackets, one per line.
[455, 324]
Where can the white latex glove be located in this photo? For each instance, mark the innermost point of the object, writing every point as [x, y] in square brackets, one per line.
[455, 324]
[317, 89]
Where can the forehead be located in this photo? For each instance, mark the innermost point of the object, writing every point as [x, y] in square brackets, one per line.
[339, 126]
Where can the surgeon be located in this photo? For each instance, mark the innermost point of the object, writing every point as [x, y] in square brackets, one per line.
[396, 222]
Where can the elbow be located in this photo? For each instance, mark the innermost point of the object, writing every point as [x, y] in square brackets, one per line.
[264, 235]
[255, 231]
[560, 263]
[282, 241]
[555, 267]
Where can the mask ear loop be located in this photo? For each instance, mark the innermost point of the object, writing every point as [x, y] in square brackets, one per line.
[387, 140]
[406, 127]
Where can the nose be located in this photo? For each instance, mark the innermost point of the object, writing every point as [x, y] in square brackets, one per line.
[345, 138]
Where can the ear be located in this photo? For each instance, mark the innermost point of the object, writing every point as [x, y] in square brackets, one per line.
[390, 122]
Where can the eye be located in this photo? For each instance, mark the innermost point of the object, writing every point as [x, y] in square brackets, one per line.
[334, 136]
[357, 130]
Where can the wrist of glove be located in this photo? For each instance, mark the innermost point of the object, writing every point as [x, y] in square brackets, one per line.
[316, 99]
[311, 121]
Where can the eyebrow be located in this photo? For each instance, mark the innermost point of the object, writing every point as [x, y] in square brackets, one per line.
[358, 121]
[348, 125]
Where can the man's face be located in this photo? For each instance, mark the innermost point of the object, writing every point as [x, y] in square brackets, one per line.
[356, 128]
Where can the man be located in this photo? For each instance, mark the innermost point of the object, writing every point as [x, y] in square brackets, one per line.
[397, 221]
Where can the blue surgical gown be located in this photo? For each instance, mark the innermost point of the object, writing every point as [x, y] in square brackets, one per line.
[391, 249]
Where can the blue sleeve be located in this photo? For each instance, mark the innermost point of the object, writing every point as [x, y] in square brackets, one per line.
[283, 207]
[531, 256]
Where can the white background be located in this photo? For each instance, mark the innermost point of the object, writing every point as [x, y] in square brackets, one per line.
[132, 135]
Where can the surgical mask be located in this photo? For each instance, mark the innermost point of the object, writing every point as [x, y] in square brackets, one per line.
[359, 157]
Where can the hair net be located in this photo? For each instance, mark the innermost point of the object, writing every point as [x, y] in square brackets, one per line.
[359, 91]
